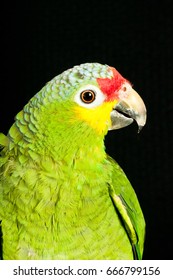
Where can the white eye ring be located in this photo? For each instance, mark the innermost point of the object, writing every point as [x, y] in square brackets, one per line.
[89, 96]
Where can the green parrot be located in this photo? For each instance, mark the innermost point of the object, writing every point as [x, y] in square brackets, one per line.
[61, 196]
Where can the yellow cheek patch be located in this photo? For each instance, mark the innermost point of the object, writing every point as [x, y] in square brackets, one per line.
[98, 117]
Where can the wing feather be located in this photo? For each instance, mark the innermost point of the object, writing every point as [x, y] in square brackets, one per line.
[126, 203]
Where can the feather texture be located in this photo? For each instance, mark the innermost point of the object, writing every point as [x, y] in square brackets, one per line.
[61, 196]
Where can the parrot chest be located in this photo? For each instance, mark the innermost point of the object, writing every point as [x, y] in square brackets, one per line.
[66, 215]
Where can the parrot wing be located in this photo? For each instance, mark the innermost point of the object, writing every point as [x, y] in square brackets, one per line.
[126, 203]
[3, 143]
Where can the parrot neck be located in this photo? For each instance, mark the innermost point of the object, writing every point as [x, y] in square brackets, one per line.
[67, 137]
[78, 148]
[61, 141]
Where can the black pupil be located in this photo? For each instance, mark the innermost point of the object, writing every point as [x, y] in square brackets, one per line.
[88, 96]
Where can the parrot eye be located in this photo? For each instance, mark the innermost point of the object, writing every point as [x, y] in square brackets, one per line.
[88, 96]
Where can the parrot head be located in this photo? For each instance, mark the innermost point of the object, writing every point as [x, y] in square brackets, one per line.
[84, 101]
[101, 97]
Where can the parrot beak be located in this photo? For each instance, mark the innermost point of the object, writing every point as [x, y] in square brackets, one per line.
[129, 108]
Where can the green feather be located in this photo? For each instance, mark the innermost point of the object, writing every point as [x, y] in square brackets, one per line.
[61, 197]
[126, 203]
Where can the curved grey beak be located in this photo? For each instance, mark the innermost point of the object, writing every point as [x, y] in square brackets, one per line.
[130, 107]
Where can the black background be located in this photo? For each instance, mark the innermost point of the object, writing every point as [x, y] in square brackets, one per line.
[40, 39]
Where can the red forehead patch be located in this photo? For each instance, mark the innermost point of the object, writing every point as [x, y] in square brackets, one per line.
[110, 86]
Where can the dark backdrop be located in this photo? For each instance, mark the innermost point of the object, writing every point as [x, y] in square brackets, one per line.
[40, 39]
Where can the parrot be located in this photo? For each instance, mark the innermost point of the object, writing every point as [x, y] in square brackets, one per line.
[62, 197]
